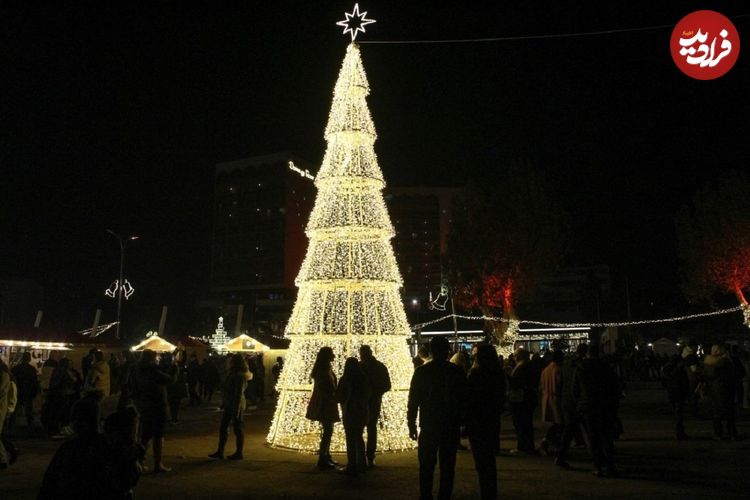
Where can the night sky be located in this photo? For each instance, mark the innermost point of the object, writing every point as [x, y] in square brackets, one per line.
[114, 116]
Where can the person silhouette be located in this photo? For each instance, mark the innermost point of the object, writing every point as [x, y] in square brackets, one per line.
[380, 383]
[437, 393]
[353, 392]
[322, 406]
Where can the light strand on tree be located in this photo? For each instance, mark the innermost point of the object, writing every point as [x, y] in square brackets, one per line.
[349, 281]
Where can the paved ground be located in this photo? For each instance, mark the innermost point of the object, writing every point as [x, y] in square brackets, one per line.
[653, 465]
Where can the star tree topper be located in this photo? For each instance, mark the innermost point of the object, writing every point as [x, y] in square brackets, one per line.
[352, 25]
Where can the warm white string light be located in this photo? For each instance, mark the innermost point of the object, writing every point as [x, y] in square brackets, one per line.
[99, 329]
[508, 342]
[746, 313]
[219, 339]
[745, 308]
[349, 281]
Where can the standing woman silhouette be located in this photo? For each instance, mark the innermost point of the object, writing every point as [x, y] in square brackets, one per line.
[234, 407]
[323, 406]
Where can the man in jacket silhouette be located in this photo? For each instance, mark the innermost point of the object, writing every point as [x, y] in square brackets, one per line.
[437, 393]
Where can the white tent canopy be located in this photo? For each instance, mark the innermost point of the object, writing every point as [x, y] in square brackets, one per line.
[154, 343]
[245, 343]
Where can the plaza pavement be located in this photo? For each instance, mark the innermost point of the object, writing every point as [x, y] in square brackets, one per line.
[652, 463]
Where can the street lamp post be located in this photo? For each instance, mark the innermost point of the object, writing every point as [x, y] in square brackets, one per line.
[120, 282]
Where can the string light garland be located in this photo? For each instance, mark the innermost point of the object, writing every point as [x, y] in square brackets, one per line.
[745, 308]
[576, 34]
[99, 329]
[349, 281]
[746, 313]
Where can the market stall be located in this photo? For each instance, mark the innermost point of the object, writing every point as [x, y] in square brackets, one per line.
[154, 343]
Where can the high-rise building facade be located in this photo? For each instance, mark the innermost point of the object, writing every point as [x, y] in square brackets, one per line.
[261, 207]
[421, 218]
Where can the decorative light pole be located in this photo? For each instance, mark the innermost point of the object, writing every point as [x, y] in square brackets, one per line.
[121, 284]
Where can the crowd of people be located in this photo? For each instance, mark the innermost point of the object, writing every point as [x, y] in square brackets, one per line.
[140, 394]
[578, 398]
[452, 396]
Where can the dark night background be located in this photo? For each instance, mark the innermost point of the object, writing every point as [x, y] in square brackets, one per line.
[114, 116]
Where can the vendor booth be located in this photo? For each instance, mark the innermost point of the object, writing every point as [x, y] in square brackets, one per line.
[253, 347]
[245, 343]
[46, 343]
[155, 343]
[52, 344]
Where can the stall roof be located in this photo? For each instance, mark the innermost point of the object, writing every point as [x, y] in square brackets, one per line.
[154, 343]
[29, 336]
[245, 343]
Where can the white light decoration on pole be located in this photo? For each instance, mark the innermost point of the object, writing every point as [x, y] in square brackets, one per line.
[746, 313]
[359, 21]
[126, 288]
[349, 281]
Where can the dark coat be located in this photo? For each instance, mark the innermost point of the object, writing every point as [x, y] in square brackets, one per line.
[353, 392]
[27, 381]
[485, 401]
[193, 372]
[437, 392]
[676, 380]
[76, 471]
[179, 389]
[569, 372]
[151, 393]
[83, 469]
[377, 374]
[523, 379]
[323, 406]
[234, 393]
[596, 389]
[721, 382]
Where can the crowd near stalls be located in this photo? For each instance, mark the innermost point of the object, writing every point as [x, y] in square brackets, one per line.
[96, 392]
[49, 343]
[456, 399]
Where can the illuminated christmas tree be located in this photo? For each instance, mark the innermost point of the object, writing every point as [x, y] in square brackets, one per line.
[349, 282]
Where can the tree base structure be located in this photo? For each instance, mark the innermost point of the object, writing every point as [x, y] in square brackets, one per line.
[291, 430]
